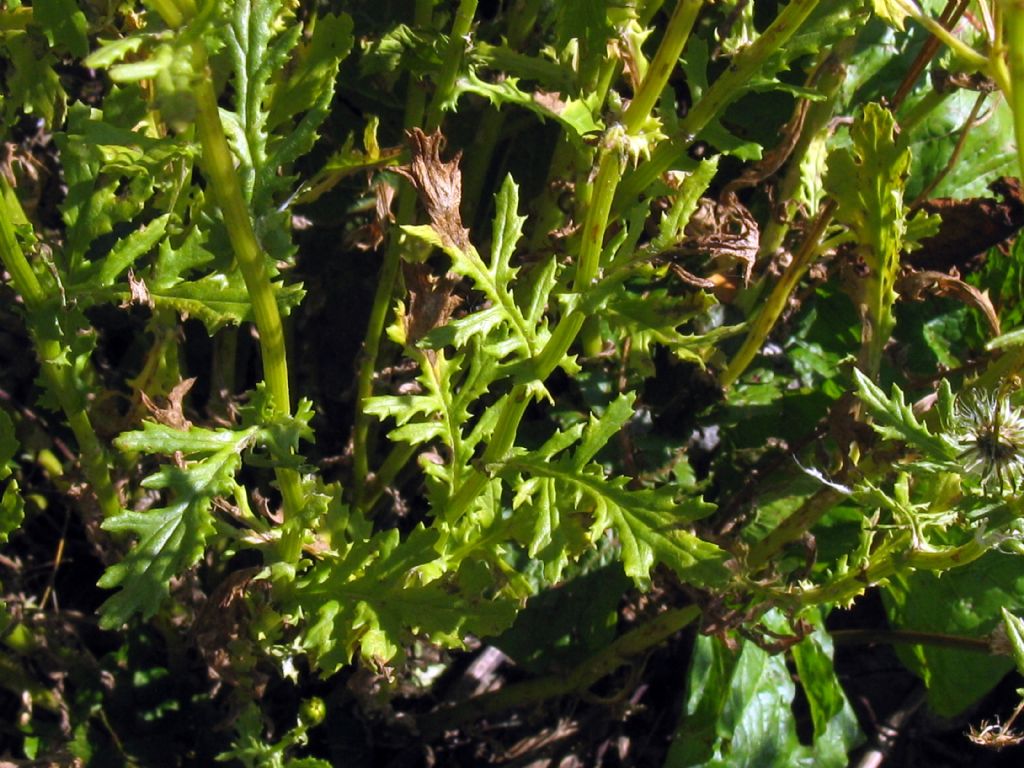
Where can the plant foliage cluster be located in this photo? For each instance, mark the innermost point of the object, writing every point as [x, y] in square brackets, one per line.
[366, 333]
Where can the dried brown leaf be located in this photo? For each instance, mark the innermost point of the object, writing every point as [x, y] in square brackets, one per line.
[914, 284]
[439, 185]
[172, 415]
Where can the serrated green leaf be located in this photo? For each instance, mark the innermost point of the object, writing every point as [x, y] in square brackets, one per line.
[129, 249]
[171, 539]
[867, 182]
[575, 114]
[113, 51]
[317, 67]
[599, 431]
[32, 85]
[162, 439]
[373, 601]
[895, 420]
[649, 524]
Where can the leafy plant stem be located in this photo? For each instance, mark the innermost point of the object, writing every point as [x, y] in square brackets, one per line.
[415, 104]
[220, 172]
[57, 374]
[580, 678]
[886, 562]
[770, 312]
[457, 42]
[665, 58]
[609, 173]
[723, 91]
[819, 114]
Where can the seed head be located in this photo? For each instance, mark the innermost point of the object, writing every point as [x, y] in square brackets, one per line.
[991, 431]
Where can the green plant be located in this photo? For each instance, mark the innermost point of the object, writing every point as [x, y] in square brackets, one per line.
[730, 198]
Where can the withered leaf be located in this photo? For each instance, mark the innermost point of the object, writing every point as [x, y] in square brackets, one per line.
[913, 285]
[970, 227]
[723, 229]
[172, 415]
[439, 185]
[431, 300]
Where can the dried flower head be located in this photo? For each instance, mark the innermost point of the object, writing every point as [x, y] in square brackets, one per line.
[991, 431]
[994, 735]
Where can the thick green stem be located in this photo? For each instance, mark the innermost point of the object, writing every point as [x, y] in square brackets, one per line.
[730, 86]
[665, 58]
[58, 375]
[632, 644]
[770, 312]
[219, 168]
[792, 528]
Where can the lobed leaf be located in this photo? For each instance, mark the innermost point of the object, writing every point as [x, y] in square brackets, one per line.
[895, 420]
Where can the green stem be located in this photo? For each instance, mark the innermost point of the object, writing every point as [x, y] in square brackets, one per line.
[792, 528]
[770, 312]
[951, 41]
[886, 563]
[619, 653]
[457, 42]
[57, 374]
[219, 168]
[665, 58]
[830, 77]
[730, 86]
[907, 637]
[1013, 89]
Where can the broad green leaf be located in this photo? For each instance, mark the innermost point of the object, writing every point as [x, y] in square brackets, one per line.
[894, 12]
[562, 626]
[739, 709]
[965, 601]
[836, 730]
